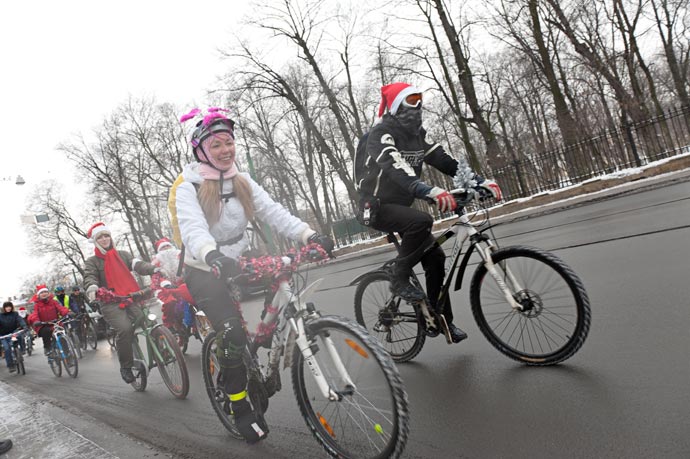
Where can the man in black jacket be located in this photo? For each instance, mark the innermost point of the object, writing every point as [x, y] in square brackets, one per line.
[388, 179]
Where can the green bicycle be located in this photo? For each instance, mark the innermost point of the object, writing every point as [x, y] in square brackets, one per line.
[162, 351]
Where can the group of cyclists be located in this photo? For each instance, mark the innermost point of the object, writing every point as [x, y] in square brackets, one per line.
[47, 307]
[215, 202]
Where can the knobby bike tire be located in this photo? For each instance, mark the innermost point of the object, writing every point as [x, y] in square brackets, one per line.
[29, 346]
[375, 306]
[211, 372]
[167, 346]
[515, 333]
[71, 362]
[385, 430]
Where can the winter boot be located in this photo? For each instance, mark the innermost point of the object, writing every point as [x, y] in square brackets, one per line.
[251, 426]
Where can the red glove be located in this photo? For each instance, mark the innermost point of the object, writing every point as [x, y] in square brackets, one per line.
[444, 200]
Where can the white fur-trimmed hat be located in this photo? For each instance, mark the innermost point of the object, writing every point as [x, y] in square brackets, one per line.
[96, 230]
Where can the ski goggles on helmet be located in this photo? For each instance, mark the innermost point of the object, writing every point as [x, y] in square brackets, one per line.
[413, 101]
[214, 126]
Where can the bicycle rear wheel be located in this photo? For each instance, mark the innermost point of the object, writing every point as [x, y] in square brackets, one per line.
[173, 368]
[556, 317]
[370, 418]
[29, 345]
[69, 356]
[388, 318]
[220, 402]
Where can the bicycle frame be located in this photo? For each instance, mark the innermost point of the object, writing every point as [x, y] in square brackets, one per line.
[294, 310]
[143, 326]
[462, 230]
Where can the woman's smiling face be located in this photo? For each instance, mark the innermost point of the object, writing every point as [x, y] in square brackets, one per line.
[221, 149]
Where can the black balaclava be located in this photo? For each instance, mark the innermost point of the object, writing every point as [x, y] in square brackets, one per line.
[410, 118]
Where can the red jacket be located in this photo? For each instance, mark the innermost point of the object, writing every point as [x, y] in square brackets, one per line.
[45, 312]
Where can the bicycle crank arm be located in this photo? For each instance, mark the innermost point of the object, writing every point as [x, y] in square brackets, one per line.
[444, 327]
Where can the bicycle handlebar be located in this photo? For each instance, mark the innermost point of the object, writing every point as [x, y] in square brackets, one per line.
[18, 331]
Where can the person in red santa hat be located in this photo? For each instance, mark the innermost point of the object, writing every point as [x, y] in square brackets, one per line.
[110, 269]
[171, 289]
[388, 171]
[46, 309]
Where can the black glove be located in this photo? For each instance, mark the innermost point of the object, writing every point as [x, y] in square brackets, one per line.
[325, 242]
[222, 267]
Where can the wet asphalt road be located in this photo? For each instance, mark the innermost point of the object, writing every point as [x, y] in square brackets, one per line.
[624, 394]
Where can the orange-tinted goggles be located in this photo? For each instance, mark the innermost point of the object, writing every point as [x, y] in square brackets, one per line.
[413, 101]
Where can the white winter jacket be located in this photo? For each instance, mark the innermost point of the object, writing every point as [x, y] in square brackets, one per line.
[199, 239]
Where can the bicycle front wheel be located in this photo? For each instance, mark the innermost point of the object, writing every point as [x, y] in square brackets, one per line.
[76, 342]
[556, 314]
[173, 367]
[220, 401]
[388, 318]
[91, 335]
[69, 356]
[369, 417]
[55, 362]
[20, 362]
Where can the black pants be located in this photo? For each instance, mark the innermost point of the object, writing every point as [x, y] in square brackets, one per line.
[212, 296]
[415, 228]
[46, 334]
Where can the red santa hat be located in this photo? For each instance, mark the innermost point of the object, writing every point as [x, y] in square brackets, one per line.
[96, 230]
[393, 94]
[41, 288]
[162, 243]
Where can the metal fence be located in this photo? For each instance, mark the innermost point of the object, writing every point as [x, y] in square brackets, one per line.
[626, 146]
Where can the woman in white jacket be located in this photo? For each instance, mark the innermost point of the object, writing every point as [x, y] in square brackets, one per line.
[214, 204]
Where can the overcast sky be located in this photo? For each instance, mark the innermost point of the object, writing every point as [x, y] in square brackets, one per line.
[67, 64]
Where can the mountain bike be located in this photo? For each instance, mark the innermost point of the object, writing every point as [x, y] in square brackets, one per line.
[347, 387]
[17, 357]
[528, 303]
[62, 350]
[162, 351]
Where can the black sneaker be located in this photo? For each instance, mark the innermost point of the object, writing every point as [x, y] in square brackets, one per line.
[252, 428]
[456, 334]
[12, 368]
[127, 375]
[406, 291]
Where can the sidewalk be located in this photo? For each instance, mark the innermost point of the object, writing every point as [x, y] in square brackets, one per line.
[39, 430]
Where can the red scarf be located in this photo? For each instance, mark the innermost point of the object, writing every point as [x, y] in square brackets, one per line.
[117, 275]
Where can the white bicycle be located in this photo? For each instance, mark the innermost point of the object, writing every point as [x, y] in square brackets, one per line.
[347, 387]
[527, 302]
